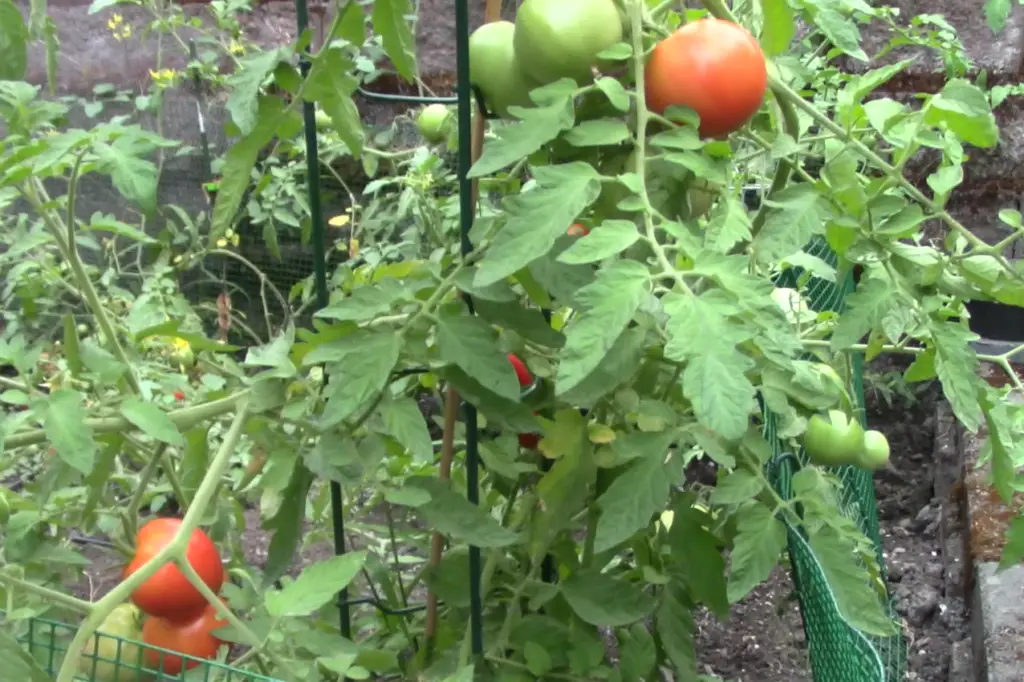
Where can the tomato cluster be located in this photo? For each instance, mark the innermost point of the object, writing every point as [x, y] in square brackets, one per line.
[178, 616]
[836, 440]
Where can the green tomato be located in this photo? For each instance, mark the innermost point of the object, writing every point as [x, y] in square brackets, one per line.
[876, 451]
[835, 441]
[114, 657]
[494, 69]
[433, 122]
[562, 38]
[323, 121]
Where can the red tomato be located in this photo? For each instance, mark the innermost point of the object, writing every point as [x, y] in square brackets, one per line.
[712, 66]
[529, 441]
[578, 230]
[168, 593]
[522, 373]
[178, 395]
[192, 638]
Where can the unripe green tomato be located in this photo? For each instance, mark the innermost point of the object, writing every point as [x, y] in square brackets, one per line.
[323, 121]
[433, 122]
[834, 441]
[123, 623]
[876, 451]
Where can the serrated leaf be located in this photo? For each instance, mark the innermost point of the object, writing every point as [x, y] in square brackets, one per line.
[675, 627]
[699, 560]
[997, 12]
[857, 601]
[619, 364]
[729, 226]
[598, 133]
[756, 548]
[364, 303]
[244, 87]
[841, 32]
[390, 24]
[151, 420]
[13, 42]
[722, 396]
[605, 601]
[539, 126]
[956, 365]
[471, 344]
[605, 308]
[315, 586]
[797, 214]
[964, 109]
[632, 499]
[863, 311]
[779, 27]
[330, 85]
[537, 218]
[405, 423]
[610, 238]
[64, 423]
[449, 513]
[529, 323]
[737, 487]
[637, 653]
[359, 366]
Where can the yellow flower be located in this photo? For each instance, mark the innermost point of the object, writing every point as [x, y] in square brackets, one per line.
[339, 221]
[164, 78]
[236, 48]
[115, 21]
[118, 27]
[221, 243]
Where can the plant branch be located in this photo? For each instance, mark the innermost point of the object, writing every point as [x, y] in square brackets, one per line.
[51, 596]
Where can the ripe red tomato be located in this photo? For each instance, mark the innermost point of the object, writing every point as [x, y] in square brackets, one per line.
[529, 441]
[712, 66]
[178, 395]
[578, 230]
[168, 593]
[192, 638]
[522, 373]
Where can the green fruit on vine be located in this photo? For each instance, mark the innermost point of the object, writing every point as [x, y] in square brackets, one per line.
[876, 451]
[323, 121]
[114, 657]
[433, 123]
[494, 69]
[562, 38]
[834, 441]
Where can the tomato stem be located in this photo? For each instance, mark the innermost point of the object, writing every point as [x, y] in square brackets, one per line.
[52, 596]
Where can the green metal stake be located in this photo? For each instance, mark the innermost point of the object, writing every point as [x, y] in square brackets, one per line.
[320, 281]
[466, 222]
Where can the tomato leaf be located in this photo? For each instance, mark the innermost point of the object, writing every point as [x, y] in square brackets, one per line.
[358, 365]
[637, 653]
[729, 226]
[633, 498]
[245, 83]
[399, 43]
[537, 127]
[779, 27]
[608, 239]
[471, 344]
[797, 214]
[64, 422]
[956, 365]
[605, 308]
[315, 586]
[620, 363]
[841, 32]
[675, 627]
[449, 513]
[997, 12]
[963, 108]
[613, 90]
[13, 42]
[404, 422]
[19, 663]
[329, 84]
[756, 549]
[737, 487]
[863, 310]
[698, 559]
[537, 218]
[602, 600]
[151, 420]
[598, 133]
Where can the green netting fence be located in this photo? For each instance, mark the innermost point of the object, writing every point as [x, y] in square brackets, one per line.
[109, 658]
[838, 651]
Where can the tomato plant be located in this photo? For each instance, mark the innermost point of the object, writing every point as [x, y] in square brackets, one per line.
[193, 637]
[107, 656]
[712, 66]
[168, 593]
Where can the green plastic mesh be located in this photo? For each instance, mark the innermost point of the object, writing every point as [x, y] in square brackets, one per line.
[114, 659]
[838, 651]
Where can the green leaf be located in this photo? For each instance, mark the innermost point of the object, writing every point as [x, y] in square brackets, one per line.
[756, 548]
[613, 90]
[841, 32]
[274, 354]
[538, 126]
[956, 365]
[513, 415]
[108, 223]
[151, 420]
[729, 226]
[399, 43]
[19, 663]
[675, 627]
[287, 524]
[135, 178]
[405, 423]
[850, 583]
[245, 83]
[798, 214]
[471, 344]
[605, 308]
[997, 12]
[637, 653]
[963, 108]
[617, 367]
[722, 396]
[64, 423]
[330, 84]
[529, 323]
[71, 346]
[598, 133]
[602, 600]
[737, 487]
[779, 27]
[632, 499]
[535, 219]
[449, 513]
[13, 42]
[863, 310]
[610, 238]
[364, 303]
[698, 559]
[360, 364]
[315, 586]
[1013, 550]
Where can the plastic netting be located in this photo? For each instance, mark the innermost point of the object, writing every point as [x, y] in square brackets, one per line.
[108, 658]
[838, 651]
